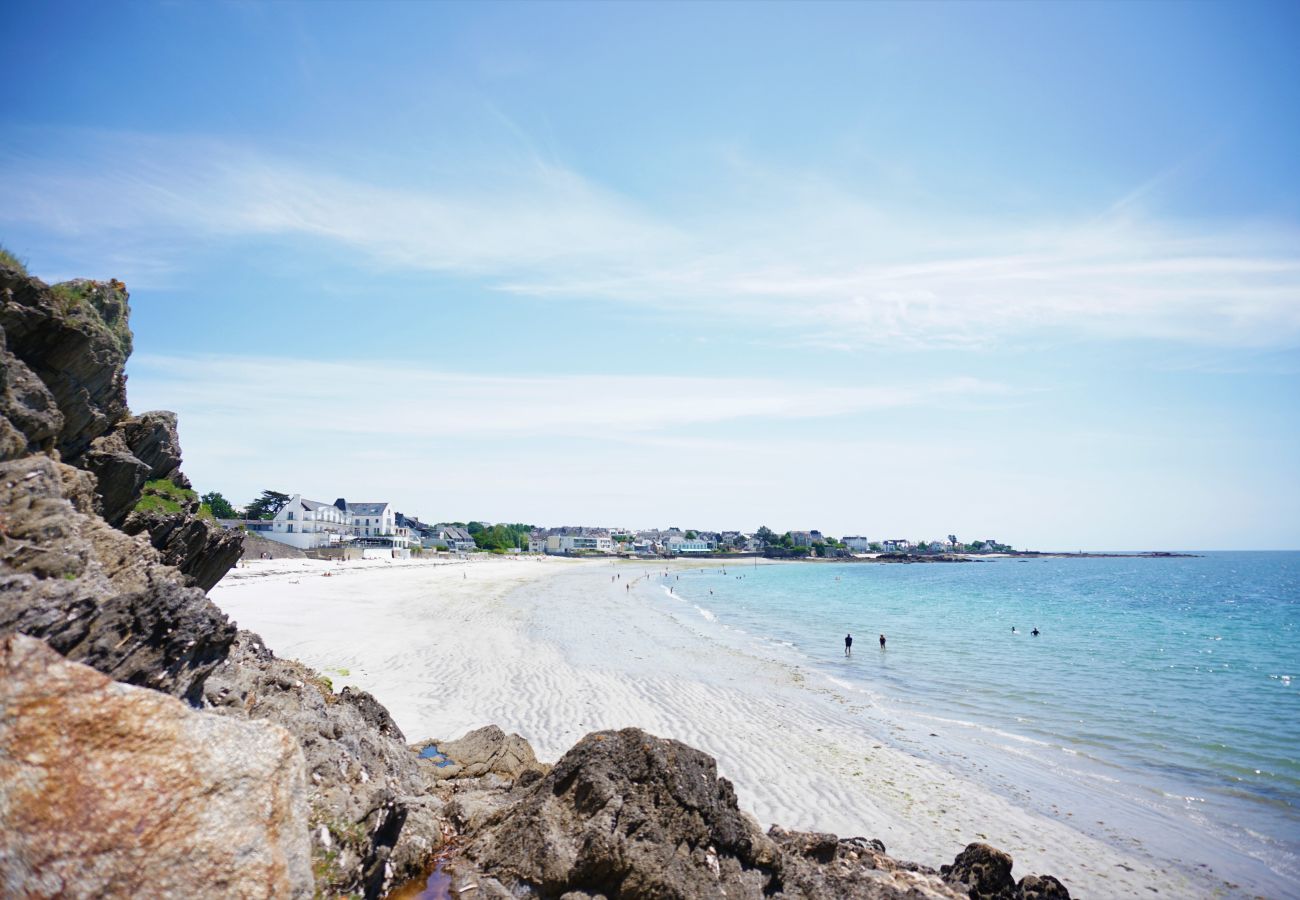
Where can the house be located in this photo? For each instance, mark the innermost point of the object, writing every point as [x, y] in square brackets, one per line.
[679, 545]
[573, 543]
[308, 524]
[896, 546]
[857, 543]
[452, 537]
[801, 538]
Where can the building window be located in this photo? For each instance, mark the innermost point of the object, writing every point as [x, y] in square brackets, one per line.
[289, 517]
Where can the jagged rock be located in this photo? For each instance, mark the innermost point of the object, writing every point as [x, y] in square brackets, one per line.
[984, 873]
[152, 439]
[95, 594]
[367, 789]
[118, 473]
[486, 750]
[75, 339]
[109, 790]
[29, 418]
[201, 549]
[626, 814]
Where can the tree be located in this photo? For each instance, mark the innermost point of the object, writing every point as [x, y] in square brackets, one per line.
[764, 535]
[690, 535]
[219, 505]
[266, 506]
[874, 546]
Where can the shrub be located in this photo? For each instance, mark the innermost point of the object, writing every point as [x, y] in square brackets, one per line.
[7, 258]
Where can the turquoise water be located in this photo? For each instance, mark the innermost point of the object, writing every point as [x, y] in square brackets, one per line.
[1161, 700]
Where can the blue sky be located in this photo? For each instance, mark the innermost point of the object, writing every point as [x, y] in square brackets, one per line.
[1029, 272]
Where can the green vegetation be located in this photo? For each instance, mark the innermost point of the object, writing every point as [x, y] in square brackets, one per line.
[98, 305]
[163, 496]
[219, 505]
[266, 506]
[500, 537]
[7, 258]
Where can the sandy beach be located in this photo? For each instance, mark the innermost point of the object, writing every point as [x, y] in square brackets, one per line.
[553, 649]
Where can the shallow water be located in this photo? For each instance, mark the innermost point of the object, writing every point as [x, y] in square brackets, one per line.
[1161, 699]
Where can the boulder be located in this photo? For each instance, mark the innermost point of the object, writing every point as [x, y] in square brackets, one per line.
[108, 790]
[486, 750]
[984, 873]
[626, 814]
[95, 594]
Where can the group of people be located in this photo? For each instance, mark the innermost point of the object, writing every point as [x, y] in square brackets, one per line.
[848, 644]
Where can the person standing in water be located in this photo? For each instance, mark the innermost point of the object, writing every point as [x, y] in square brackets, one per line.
[848, 645]
[882, 642]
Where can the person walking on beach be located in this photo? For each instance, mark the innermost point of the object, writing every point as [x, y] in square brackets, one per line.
[848, 645]
[882, 642]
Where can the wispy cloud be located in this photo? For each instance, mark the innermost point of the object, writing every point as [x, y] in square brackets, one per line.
[801, 255]
[280, 398]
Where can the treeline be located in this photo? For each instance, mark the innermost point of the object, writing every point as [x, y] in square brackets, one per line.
[497, 537]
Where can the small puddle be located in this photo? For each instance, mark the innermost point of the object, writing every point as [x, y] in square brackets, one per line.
[436, 887]
[440, 759]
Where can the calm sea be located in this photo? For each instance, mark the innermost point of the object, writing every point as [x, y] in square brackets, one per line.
[1160, 702]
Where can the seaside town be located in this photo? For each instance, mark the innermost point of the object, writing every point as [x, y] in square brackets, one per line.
[344, 529]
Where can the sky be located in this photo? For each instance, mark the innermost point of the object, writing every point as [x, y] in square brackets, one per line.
[1028, 272]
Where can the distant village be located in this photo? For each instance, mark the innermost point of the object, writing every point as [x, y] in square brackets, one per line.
[378, 529]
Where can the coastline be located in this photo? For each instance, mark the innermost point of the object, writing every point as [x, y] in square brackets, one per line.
[554, 649]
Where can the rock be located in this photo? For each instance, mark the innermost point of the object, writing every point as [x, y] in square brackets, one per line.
[29, 418]
[486, 750]
[95, 594]
[75, 339]
[119, 475]
[366, 787]
[152, 439]
[984, 872]
[111, 790]
[200, 548]
[1041, 887]
[626, 814]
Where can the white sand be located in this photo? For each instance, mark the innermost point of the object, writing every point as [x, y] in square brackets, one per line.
[552, 649]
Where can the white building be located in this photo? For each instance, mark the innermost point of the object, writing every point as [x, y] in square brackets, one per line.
[688, 545]
[569, 543]
[857, 543]
[308, 524]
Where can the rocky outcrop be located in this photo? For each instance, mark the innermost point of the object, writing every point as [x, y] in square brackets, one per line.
[373, 821]
[625, 814]
[488, 750]
[75, 339]
[63, 391]
[202, 550]
[30, 420]
[114, 791]
[96, 595]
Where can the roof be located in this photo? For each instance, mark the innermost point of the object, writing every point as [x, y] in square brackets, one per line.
[367, 509]
[314, 504]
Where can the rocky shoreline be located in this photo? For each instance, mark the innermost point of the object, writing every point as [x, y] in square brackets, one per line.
[148, 748]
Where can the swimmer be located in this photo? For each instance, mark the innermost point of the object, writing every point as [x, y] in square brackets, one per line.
[848, 645]
[882, 642]
[1035, 631]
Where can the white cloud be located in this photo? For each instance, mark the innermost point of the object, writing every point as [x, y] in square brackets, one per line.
[800, 254]
[279, 398]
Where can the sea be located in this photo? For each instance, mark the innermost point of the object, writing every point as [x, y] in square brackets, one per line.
[1159, 702]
